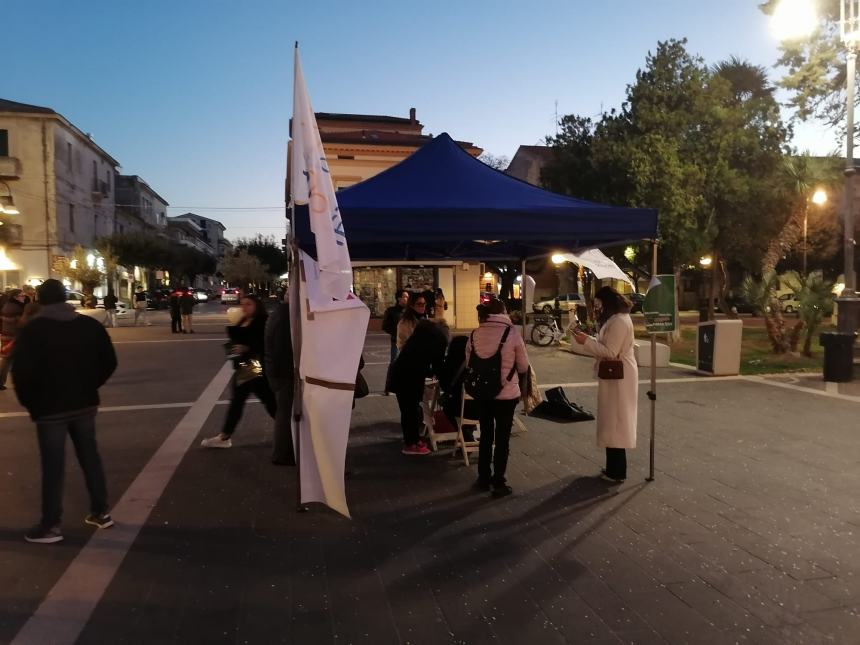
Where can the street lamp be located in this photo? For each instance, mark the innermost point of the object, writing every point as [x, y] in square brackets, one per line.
[819, 198]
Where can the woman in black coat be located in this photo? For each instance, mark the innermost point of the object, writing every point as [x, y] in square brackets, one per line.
[247, 349]
[421, 356]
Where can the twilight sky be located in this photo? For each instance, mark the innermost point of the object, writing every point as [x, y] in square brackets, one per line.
[195, 95]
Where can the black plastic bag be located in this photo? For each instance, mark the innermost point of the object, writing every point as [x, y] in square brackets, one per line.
[559, 408]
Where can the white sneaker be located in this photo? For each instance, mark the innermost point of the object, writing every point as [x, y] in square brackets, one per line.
[217, 442]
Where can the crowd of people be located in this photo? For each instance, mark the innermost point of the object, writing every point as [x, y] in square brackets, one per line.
[59, 360]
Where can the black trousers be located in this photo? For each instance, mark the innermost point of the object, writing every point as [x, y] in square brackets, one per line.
[497, 418]
[175, 322]
[410, 416]
[257, 386]
[52, 449]
[616, 463]
[283, 451]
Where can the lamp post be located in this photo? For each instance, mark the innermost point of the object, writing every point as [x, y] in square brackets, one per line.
[849, 31]
[819, 198]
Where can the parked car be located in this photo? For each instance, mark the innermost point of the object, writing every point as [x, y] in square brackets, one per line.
[638, 299]
[788, 303]
[566, 302]
[158, 299]
[486, 296]
[201, 295]
[230, 296]
[76, 298]
[742, 305]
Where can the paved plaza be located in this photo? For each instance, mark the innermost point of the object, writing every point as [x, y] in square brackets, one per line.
[750, 532]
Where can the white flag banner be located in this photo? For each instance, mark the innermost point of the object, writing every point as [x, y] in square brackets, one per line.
[598, 263]
[311, 185]
[332, 338]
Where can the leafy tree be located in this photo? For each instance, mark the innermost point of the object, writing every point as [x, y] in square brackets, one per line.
[267, 250]
[815, 297]
[78, 269]
[499, 162]
[244, 269]
[815, 66]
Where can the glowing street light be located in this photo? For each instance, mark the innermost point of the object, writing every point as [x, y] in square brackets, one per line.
[706, 261]
[819, 197]
[793, 19]
[558, 258]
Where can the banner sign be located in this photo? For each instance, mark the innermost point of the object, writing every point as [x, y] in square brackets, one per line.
[659, 305]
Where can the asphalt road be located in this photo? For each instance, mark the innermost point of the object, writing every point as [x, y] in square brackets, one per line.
[748, 534]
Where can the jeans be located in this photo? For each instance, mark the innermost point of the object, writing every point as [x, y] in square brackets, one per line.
[186, 324]
[52, 448]
[411, 417]
[110, 317]
[175, 323]
[258, 386]
[390, 363]
[140, 312]
[497, 418]
[616, 463]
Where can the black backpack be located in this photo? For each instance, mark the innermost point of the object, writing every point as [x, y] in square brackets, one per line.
[483, 380]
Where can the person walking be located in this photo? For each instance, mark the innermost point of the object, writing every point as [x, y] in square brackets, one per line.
[175, 312]
[390, 320]
[10, 319]
[186, 309]
[616, 398]
[415, 311]
[61, 360]
[110, 301]
[421, 356]
[247, 347]
[140, 306]
[280, 373]
[496, 335]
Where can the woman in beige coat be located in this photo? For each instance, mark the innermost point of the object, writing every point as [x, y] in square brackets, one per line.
[616, 398]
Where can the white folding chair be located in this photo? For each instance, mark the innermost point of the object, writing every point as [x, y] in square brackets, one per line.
[465, 446]
[429, 406]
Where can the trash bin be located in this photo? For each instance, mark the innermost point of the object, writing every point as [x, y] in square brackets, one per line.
[718, 350]
[838, 355]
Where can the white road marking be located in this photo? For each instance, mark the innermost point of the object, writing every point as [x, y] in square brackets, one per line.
[114, 408]
[68, 606]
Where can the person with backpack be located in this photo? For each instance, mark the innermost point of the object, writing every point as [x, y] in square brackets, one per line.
[390, 320]
[421, 356]
[495, 355]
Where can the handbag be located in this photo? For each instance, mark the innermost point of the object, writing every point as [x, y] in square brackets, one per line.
[610, 369]
[247, 370]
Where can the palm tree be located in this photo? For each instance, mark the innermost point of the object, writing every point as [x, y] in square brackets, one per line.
[815, 297]
[748, 81]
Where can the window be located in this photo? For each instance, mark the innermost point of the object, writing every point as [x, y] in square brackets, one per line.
[72, 218]
[107, 178]
[69, 154]
[4, 143]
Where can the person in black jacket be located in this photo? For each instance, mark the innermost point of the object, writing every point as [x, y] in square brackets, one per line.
[389, 325]
[61, 361]
[280, 372]
[175, 312]
[186, 308]
[247, 348]
[421, 356]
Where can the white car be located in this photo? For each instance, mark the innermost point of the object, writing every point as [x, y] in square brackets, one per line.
[230, 297]
[76, 298]
[788, 303]
[566, 302]
[201, 296]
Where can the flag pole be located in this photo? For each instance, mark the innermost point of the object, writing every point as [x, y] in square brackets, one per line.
[652, 394]
[296, 314]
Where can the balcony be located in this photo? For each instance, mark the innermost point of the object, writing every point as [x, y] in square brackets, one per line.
[10, 168]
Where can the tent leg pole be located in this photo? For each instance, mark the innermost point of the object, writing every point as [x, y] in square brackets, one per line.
[652, 394]
[523, 295]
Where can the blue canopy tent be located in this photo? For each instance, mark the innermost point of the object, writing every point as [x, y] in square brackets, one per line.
[442, 203]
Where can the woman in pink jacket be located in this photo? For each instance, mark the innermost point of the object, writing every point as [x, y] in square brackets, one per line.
[497, 415]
